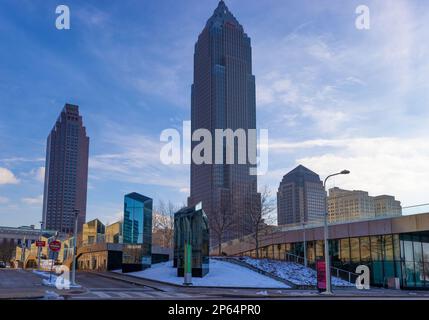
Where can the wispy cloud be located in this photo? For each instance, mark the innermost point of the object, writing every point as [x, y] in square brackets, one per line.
[33, 201]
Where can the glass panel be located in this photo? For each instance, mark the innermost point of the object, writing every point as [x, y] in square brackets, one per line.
[345, 250]
[277, 251]
[409, 274]
[282, 252]
[396, 247]
[376, 248]
[334, 252]
[271, 252]
[389, 269]
[354, 246]
[408, 250]
[377, 272]
[426, 251]
[320, 249]
[310, 252]
[426, 273]
[417, 248]
[419, 273]
[388, 247]
[365, 252]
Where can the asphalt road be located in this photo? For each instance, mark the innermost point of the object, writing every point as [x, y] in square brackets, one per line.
[20, 284]
[17, 283]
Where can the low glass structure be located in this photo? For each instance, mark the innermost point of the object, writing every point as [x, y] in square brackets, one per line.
[137, 233]
[191, 227]
[404, 256]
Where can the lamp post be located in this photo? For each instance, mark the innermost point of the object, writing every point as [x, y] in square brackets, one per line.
[327, 258]
[39, 249]
[73, 280]
[305, 243]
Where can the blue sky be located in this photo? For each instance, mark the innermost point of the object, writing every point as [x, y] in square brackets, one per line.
[332, 96]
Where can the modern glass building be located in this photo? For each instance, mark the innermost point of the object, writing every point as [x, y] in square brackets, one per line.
[223, 97]
[137, 232]
[391, 247]
[191, 227]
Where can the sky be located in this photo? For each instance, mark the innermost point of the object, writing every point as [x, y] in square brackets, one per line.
[332, 96]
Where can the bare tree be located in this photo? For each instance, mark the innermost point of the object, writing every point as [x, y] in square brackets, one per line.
[260, 215]
[163, 222]
[7, 251]
[221, 222]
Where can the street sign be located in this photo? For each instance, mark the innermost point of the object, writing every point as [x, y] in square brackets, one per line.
[55, 246]
[40, 243]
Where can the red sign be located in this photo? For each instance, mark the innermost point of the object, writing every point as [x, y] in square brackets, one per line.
[55, 246]
[40, 243]
[321, 274]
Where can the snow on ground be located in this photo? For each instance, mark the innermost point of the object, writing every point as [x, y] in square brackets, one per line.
[221, 274]
[55, 280]
[294, 272]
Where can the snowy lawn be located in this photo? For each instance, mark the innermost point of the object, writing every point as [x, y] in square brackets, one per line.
[294, 272]
[221, 274]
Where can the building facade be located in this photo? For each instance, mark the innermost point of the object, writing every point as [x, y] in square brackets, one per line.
[137, 232]
[300, 198]
[66, 172]
[223, 97]
[395, 247]
[93, 232]
[387, 206]
[23, 238]
[347, 205]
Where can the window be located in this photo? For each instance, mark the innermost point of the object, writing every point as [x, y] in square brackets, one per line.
[388, 247]
[376, 248]
[354, 250]
[365, 250]
[345, 250]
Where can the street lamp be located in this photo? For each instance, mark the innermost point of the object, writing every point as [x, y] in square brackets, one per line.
[327, 260]
[39, 249]
[76, 213]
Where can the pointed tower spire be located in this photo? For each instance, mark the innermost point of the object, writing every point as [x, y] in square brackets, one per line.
[222, 15]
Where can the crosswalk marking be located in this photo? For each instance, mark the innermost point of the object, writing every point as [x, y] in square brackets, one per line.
[123, 294]
[101, 294]
[138, 294]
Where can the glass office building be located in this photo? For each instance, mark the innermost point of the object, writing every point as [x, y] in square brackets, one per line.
[191, 227]
[137, 232]
[223, 97]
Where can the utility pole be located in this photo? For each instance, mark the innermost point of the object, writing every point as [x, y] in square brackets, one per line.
[76, 212]
[39, 249]
[326, 236]
[305, 244]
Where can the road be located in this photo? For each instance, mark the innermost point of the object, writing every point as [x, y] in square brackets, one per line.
[20, 284]
[24, 284]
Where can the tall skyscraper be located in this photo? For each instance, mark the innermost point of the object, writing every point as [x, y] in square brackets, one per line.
[300, 197]
[66, 172]
[223, 97]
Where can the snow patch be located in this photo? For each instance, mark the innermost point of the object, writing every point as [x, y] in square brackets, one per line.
[222, 274]
[290, 271]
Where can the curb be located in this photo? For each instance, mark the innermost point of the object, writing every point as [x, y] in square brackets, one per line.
[129, 280]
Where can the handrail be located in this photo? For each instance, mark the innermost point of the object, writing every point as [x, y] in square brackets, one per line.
[337, 270]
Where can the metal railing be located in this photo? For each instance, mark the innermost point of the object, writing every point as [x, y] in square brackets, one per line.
[339, 273]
